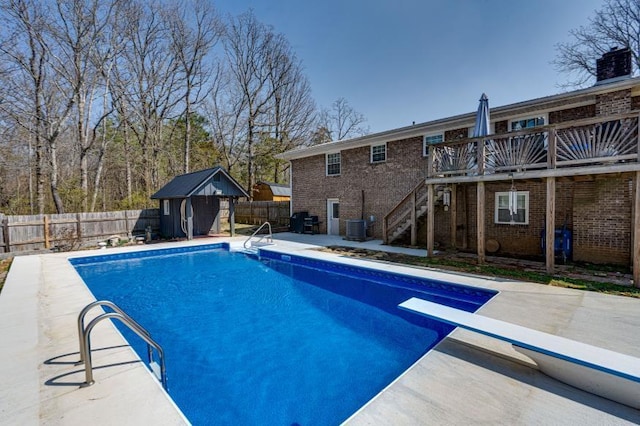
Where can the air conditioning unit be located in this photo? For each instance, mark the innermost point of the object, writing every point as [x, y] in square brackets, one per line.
[356, 230]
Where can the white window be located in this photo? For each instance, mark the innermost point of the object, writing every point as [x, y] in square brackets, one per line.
[527, 122]
[519, 214]
[379, 153]
[333, 164]
[165, 205]
[430, 140]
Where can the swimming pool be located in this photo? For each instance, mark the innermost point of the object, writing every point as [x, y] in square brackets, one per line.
[278, 340]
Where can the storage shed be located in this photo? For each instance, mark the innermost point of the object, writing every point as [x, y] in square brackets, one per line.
[190, 203]
[267, 191]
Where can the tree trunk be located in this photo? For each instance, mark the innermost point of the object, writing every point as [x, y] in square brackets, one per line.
[53, 178]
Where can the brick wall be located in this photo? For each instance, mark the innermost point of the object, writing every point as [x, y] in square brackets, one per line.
[613, 103]
[384, 184]
[577, 113]
[602, 214]
[452, 135]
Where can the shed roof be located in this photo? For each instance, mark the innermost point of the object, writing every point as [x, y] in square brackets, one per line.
[278, 189]
[202, 182]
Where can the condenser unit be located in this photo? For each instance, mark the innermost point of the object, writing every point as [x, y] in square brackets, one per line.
[356, 230]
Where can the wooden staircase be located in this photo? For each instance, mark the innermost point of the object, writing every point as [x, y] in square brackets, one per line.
[403, 218]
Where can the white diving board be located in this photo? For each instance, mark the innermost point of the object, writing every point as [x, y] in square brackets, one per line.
[600, 371]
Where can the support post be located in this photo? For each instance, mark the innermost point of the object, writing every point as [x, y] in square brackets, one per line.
[5, 233]
[430, 220]
[480, 223]
[45, 224]
[453, 208]
[414, 225]
[232, 217]
[636, 232]
[550, 227]
[189, 213]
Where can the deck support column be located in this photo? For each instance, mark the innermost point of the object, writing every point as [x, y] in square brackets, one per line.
[453, 211]
[430, 220]
[480, 223]
[636, 231]
[550, 225]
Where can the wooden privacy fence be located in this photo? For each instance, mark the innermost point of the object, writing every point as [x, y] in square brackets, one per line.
[67, 231]
[257, 212]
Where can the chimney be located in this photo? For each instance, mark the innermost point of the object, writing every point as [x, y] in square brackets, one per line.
[616, 63]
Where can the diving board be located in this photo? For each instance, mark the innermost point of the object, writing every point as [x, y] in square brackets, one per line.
[597, 370]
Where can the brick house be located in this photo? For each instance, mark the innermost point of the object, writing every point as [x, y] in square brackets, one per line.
[568, 161]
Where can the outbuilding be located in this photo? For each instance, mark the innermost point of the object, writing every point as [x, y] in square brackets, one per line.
[190, 203]
[267, 191]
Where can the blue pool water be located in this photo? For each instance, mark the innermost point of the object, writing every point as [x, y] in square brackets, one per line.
[282, 340]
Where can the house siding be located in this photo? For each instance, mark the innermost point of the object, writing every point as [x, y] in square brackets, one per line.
[596, 209]
[384, 184]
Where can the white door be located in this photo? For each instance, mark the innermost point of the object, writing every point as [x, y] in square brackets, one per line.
[333, 216]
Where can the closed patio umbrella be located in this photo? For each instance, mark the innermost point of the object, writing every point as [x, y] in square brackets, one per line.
[482, 118]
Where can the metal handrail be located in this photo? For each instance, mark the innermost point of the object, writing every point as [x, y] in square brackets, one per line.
[85, 340]
[269, 236]
[84, 313]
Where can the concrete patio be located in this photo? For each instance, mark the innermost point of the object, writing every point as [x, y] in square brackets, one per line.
[466, 379]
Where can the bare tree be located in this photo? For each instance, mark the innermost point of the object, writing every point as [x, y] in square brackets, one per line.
[341, 121]
[247, 44]
[148, 80]
[192, 39]
[33, 97]
[81, 31]
[616, 24]
[292, 110]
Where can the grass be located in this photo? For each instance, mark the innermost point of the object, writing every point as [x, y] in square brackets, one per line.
[4, 270]
[514, 273]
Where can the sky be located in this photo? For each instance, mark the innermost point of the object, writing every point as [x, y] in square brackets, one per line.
[404, 61]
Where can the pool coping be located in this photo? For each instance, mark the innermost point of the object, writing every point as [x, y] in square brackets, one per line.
[43, 294]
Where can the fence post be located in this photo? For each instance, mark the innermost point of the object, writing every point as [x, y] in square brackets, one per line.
[4, 222]
[46, 231]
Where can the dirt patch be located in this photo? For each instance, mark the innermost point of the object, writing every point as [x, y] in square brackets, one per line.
[572, 276]
[4, 270]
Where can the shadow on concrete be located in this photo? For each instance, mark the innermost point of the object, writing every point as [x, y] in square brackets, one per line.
[500, 364]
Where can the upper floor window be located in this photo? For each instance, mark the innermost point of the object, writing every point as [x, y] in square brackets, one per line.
[527, 123]
[430, 140]
[510, 210]
[378, 153]
[333, 164]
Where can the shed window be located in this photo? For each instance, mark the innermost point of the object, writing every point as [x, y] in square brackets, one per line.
[333, 164]
[379, 153]
[503, 214]
[431, 140]
[165, 207]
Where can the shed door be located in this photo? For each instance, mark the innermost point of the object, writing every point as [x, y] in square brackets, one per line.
[333, 216]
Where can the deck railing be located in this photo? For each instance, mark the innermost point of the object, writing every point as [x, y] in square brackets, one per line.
[597, 141]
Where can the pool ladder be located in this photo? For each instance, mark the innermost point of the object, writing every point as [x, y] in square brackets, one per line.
[268, 236]
[84, 334]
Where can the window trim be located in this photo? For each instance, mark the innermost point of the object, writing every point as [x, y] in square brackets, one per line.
[425, 145]
[496, 217]
[544, 115]
[371, 160]
[326, 163]
[166, 209]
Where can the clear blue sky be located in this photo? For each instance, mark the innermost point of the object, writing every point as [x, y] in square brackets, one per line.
[399, 61]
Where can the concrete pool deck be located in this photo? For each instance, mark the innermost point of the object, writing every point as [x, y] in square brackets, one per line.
[466, 379]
